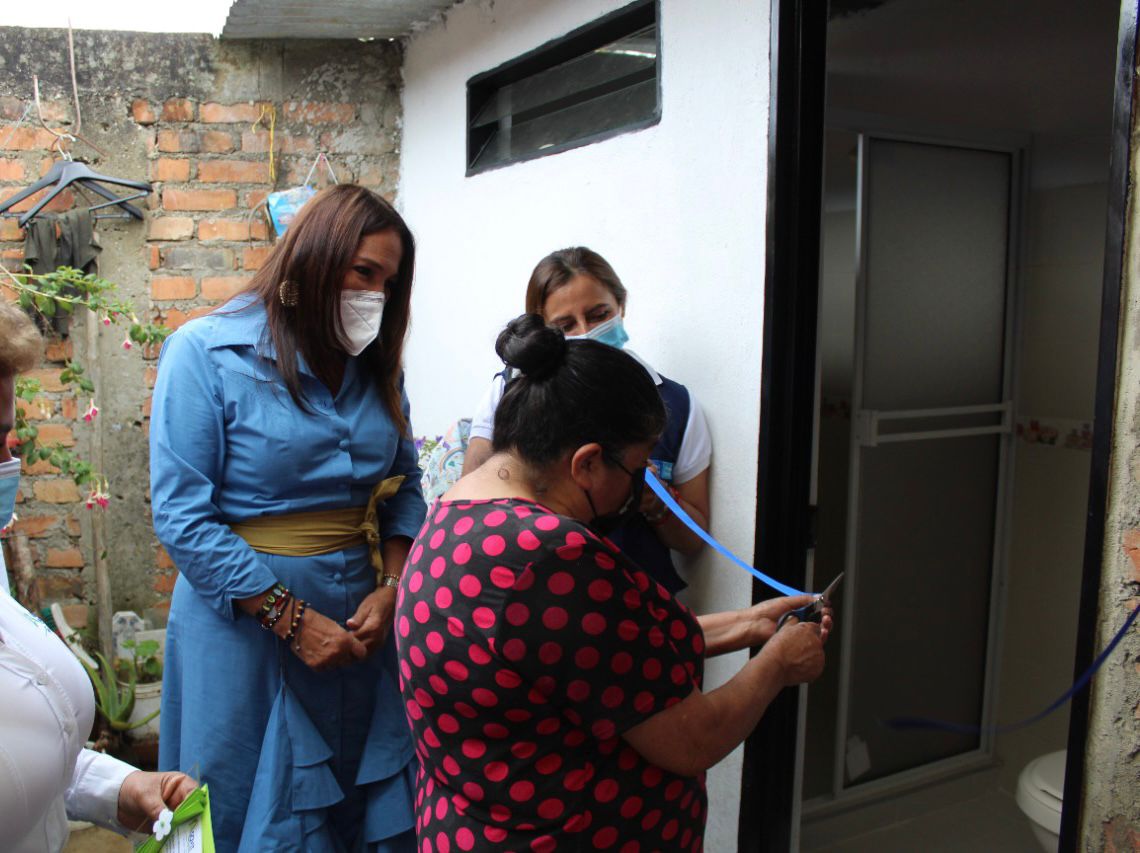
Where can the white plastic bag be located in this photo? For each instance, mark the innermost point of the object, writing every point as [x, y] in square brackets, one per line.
[286, 204]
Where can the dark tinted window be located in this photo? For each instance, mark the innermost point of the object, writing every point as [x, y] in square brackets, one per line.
[598, 81]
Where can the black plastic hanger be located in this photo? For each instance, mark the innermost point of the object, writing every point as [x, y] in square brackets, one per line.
[63, 174]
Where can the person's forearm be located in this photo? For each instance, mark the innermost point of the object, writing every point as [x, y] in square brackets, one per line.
[699, 731]
[93, 792]
[728, 631]
[676, 534]
[251, 606]
[394, 551]
[737, 706]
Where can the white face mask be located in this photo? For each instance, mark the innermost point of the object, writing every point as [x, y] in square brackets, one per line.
[360, 314]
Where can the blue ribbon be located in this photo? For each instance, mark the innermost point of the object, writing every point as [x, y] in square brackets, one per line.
[898, 723]
[959, 728]
[662, 492]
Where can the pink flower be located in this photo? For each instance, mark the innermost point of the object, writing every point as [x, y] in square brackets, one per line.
[92, 411]
[106, 319]
[127, 342]
[99, 495]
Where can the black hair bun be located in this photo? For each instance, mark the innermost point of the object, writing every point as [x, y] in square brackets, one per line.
[531, 347]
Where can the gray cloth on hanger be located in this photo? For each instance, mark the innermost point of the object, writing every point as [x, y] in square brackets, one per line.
[75, 246]
[67, 240]
[78, 245]
[41, 244]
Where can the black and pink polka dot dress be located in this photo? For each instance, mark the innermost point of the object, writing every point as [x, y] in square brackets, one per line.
[527, 645]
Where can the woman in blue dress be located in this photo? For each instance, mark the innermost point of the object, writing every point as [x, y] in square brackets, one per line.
[285, 487]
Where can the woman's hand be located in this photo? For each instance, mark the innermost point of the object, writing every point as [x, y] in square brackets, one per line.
[142, 796]
[692, 735]
[321, 643]
[372, 621]
[693, 497]
[652, 507]
[733, 630]
[762, 617]
[798, 647]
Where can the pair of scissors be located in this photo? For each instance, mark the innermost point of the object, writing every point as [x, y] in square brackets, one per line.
[812, 612]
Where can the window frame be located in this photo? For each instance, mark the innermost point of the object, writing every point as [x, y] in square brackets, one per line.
[599, 32]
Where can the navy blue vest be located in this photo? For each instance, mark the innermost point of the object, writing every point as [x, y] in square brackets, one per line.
[637, 538]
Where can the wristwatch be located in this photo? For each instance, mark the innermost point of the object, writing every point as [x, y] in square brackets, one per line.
[390, 580]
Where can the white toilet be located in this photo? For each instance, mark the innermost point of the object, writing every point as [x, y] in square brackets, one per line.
[1039, 791]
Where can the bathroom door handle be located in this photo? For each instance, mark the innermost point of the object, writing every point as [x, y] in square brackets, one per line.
[869, 423]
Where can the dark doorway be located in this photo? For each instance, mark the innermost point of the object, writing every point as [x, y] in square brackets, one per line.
[788, 525]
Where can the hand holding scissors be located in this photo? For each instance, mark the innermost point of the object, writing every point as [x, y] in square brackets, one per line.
[812, 612]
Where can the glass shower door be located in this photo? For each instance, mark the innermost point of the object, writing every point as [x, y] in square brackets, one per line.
[931, 420]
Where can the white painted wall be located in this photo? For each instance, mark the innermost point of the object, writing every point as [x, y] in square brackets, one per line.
[678, 209]
[1061, 285]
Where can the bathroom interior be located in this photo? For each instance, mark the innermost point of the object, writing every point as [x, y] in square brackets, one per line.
[963, 232]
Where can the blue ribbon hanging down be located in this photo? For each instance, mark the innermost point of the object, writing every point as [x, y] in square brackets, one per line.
[903, 723]
[662, 492]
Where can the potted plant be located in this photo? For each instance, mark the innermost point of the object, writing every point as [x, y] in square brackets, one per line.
[115, 698]
[127, 695]
[145, 662]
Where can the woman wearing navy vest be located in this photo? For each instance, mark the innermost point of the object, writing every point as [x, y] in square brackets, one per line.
[577, 291]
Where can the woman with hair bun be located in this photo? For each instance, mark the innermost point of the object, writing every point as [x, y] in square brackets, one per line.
[577, 291]
[554, 690]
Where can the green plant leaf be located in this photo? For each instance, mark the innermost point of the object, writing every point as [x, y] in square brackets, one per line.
[45, 305]
[143, 721]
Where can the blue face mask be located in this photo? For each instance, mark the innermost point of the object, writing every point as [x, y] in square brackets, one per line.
[9, 485]
[611, 332]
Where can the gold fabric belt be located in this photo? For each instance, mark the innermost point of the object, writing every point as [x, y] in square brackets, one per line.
[324, 531]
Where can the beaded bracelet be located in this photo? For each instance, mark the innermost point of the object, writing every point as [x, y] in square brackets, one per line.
[300, 625]
[295, 623]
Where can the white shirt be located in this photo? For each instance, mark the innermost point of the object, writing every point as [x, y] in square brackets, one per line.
[696, 442]
[46, 776]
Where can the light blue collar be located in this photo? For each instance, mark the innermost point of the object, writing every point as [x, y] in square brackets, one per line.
[241, 323]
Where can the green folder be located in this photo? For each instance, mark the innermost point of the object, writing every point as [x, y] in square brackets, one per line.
[190, 828]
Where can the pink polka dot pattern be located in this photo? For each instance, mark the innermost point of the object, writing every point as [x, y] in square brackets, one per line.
[526, 647]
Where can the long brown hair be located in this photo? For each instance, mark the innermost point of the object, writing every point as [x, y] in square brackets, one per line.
[315, 254]
[557, 268]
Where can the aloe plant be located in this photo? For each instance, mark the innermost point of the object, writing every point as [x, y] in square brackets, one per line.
[115, 699]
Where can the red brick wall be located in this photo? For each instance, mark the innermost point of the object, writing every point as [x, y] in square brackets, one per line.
[209, 166]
